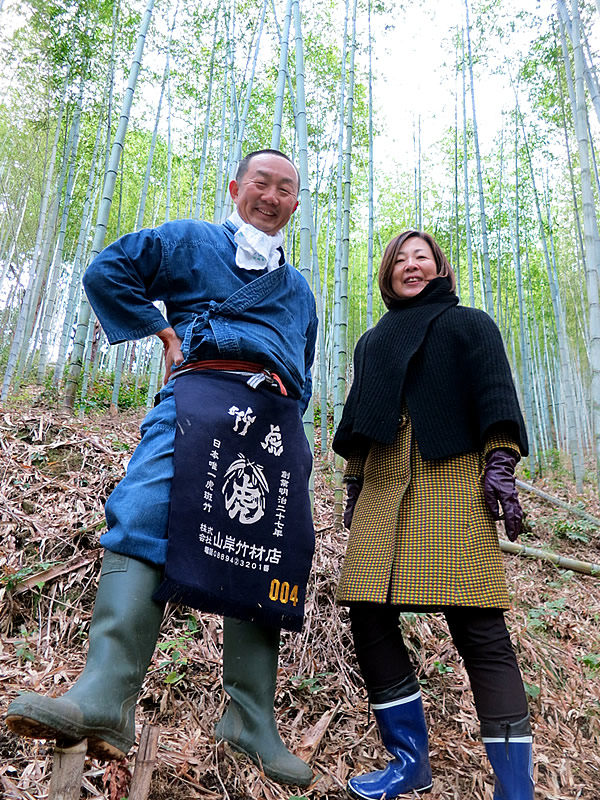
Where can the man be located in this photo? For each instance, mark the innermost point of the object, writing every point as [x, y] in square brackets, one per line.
[239, 343]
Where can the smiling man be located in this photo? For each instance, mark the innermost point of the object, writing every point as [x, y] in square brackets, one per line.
[214, 509]
[265, 191]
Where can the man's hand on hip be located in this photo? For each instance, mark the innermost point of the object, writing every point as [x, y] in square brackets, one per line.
[172, 349]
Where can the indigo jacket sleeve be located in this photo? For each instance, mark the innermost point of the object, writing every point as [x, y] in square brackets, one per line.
[123, 281]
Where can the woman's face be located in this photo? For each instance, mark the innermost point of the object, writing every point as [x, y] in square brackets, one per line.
[415, 266]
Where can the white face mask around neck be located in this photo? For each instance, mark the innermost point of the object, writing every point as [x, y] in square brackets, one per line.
[255, 249]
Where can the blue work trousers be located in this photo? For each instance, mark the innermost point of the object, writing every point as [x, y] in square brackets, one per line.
[137, 511]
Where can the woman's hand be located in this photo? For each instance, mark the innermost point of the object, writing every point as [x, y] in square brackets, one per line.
[172, 349]
[353, 488]
[499, 487]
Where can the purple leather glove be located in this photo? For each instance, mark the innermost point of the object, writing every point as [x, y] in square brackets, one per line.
[353, 490]
[499, 487]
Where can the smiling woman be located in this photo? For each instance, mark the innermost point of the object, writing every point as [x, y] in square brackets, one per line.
[415, 266]
[432, 432]
[410, 261]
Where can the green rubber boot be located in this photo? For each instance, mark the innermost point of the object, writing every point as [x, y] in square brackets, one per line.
[100, 706]
[250, 655]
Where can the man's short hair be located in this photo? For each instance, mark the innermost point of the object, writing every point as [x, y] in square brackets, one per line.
[245, 162]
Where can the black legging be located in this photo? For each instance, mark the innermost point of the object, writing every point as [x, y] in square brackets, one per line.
[481, 638]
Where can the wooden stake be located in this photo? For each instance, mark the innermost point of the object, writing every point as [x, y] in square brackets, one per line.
[144, 763]
[67, 771]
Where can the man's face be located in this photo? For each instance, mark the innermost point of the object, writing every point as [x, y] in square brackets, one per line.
[266, 196]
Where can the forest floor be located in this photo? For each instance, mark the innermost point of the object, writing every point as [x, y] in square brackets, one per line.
[55, 472]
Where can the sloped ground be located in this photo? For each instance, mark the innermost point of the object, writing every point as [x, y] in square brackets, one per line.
[55, 472]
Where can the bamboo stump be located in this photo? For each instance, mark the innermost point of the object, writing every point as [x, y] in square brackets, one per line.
[68, 765]
[67, 771]
[144, 763]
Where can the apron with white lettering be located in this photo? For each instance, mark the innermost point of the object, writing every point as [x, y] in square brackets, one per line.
[241, 536]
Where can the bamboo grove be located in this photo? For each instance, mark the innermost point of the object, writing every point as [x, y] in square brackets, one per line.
[116, 116]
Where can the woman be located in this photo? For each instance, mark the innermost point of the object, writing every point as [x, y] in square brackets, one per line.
[432, 432]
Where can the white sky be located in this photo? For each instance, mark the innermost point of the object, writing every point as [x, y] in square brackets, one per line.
[415, 63]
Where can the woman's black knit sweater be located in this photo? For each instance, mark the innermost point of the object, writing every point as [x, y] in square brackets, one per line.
[449, 364]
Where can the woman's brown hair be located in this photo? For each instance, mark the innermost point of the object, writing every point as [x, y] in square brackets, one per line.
[390, 256]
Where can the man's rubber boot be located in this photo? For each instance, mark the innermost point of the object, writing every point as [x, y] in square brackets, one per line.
[250, 656]
[401, 722]
[100, 706]
[509, 749]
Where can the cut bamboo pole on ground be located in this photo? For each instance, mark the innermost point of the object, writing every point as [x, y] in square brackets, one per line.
[144, 763]
[587, 567]
[67, 771]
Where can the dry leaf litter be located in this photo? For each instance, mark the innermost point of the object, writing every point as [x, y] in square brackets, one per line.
[55, 473]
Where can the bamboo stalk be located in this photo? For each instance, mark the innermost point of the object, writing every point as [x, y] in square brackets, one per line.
[105, 206]
[67, 771]
[488, 296]
[587, 567]
[590, 228]
[468, 232]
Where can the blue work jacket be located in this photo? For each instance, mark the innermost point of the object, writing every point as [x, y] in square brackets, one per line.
[227, 312]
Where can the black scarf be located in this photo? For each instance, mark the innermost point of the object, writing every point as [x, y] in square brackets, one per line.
[447, 362]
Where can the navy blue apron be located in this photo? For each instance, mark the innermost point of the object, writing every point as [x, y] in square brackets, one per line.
[241, 535]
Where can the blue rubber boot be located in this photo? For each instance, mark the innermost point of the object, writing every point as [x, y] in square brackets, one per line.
[401, 722]
[509, 749]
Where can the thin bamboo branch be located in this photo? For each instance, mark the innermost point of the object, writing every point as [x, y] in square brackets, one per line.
[557, 502]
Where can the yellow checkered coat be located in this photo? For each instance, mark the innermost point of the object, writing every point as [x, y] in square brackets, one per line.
[421, 532]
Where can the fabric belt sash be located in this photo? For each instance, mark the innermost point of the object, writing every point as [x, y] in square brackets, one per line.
[241, 536]
[231, 365]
